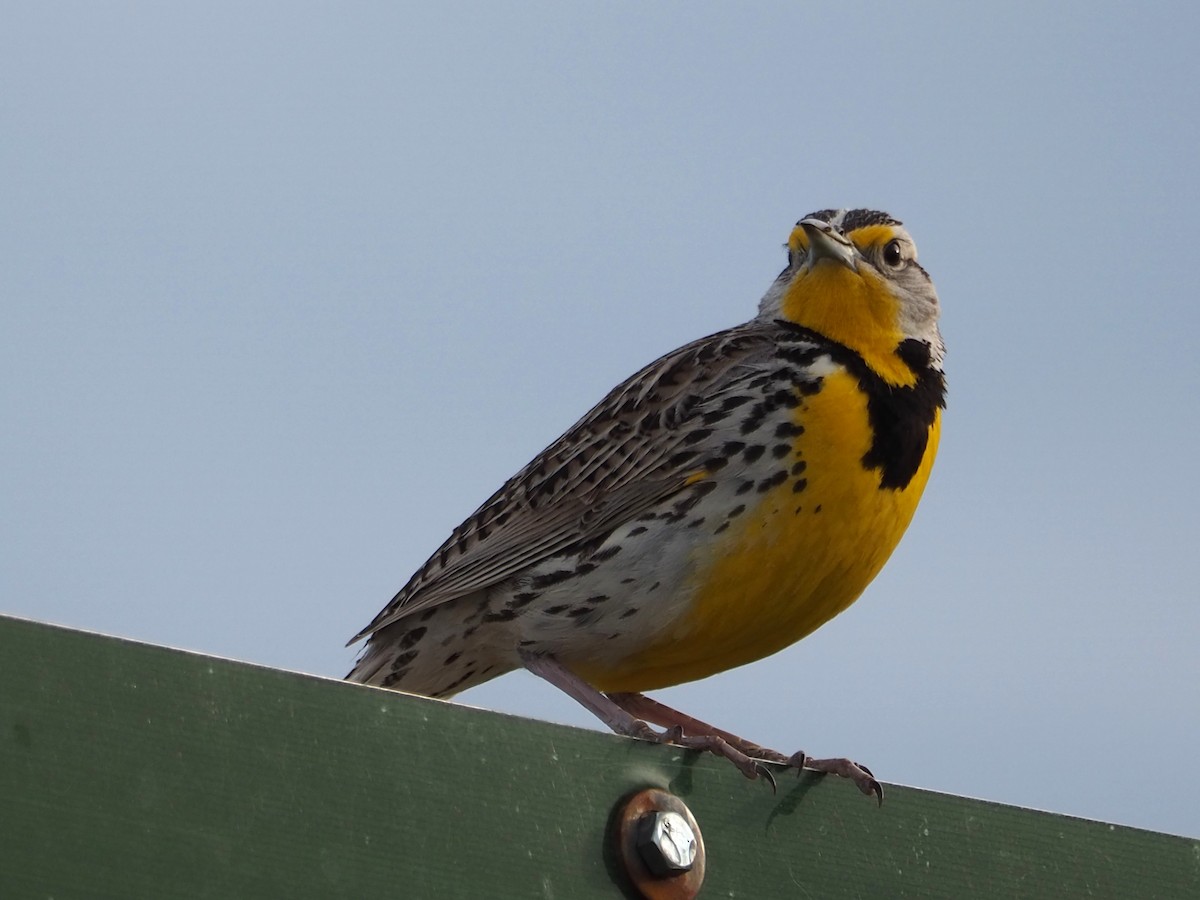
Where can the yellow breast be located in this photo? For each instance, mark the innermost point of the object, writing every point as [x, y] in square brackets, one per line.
[793, 561]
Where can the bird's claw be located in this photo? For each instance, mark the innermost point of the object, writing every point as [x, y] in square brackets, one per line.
[856, 772]
[717, 745]
[672, 735]
[766, 773]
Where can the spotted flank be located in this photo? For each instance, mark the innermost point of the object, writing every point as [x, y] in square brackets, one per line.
[715, 507]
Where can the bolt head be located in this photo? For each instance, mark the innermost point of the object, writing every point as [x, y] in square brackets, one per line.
[666, 843]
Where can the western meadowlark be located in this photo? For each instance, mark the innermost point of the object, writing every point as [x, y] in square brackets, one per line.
[717, 506]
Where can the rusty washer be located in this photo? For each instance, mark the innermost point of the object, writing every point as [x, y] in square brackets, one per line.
[660, 845]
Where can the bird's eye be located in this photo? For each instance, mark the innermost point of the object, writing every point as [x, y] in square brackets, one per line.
[893, 254]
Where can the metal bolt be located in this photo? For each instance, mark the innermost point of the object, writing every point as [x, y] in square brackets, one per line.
[666, 843]
[659, 845]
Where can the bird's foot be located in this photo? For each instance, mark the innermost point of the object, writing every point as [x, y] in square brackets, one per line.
[718, 746]
[686, 731]
[856, 772]
[628, 714]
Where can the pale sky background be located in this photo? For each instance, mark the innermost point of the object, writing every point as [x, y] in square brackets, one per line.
[288, 289]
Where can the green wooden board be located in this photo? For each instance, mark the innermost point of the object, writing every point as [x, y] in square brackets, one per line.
[130, 771]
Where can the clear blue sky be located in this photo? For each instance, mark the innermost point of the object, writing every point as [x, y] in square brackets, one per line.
[288, 289]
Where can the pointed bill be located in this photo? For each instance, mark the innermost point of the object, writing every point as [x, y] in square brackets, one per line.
[826, 242]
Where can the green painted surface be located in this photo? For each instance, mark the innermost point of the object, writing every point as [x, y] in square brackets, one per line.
[129, 770]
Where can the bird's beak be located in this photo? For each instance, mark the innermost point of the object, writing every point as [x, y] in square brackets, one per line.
[826, 242]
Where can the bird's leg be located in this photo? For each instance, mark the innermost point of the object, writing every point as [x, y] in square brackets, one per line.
[643, 707]
[624, 722]
[620, 721]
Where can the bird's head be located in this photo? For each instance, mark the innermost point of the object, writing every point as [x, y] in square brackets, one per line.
[853, 277]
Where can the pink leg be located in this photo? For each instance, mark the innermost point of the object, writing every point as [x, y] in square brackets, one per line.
[625, 722]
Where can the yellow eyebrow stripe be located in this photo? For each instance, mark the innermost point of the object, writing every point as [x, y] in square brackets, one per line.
[872, 235]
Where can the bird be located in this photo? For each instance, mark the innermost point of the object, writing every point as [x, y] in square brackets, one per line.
[714, 508]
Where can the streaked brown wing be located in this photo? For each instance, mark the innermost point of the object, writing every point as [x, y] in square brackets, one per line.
[627, 455]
